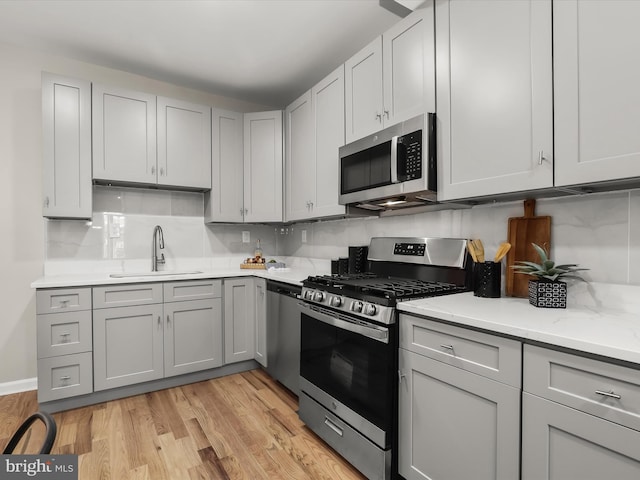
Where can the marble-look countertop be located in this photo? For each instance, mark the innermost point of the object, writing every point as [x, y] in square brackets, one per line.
[600, 319]
[99, 273]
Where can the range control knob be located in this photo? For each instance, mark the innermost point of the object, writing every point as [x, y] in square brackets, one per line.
[308, 295]
[318, 296]
[356, 306]
[370, 310]
[336, 301]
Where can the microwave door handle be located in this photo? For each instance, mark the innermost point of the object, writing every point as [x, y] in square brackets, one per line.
[381, 335]
[394, 159]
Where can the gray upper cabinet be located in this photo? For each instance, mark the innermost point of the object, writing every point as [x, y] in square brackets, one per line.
[299, 158]
[597, 101]
[184, 144]
[66, 128]
[263, 158]
[225, 201]
[392, 78]
[314, 132]
[494, 97]
[124, 135]
[125, 124]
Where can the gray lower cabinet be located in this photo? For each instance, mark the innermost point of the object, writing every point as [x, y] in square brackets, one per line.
[454, 421]
[192, 336]
[260, 285]
[127, 345]
[239, 319]
[159, 330]
[581, 418]
[65, 366]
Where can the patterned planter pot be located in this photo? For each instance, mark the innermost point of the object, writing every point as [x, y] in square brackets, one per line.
[547, 294]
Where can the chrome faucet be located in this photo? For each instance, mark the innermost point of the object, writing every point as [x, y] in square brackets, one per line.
[158, 237]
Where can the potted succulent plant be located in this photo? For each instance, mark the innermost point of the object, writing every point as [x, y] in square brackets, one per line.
[547, 289]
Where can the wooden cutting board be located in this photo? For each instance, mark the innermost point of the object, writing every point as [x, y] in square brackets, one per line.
[522, 232]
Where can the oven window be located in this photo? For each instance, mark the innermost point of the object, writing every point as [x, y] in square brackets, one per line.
[367, 169]
[354, 369]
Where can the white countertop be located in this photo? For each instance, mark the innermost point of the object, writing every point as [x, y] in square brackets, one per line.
[67, 275]
[601, 319]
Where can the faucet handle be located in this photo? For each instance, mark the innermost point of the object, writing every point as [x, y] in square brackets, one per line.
[161, 259]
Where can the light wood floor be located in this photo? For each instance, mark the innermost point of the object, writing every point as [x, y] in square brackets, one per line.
[242, 426]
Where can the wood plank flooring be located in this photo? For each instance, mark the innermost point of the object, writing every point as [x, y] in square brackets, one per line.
[242, 426]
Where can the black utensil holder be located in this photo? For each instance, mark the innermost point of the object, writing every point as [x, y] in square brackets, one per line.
[486, 279]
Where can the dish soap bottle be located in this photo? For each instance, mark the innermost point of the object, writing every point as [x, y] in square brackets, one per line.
[257, 254]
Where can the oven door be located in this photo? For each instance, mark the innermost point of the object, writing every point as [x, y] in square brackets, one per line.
[350, 360]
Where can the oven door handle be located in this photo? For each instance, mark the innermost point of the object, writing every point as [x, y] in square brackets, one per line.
[374, 332]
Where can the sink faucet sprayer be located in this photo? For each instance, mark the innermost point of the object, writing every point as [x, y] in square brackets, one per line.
[157, 235]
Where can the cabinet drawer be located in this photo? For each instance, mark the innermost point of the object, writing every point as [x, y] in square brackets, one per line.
[192, 290]
[63, 300]
[125, 295]
[65, 376]
[64, 333]
[589, 385]
[491, 356]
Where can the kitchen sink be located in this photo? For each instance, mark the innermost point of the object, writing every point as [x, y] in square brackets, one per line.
[163, 273]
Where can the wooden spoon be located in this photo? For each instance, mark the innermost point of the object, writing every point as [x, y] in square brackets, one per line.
[472, 250]
[502, 251]
[479, 248]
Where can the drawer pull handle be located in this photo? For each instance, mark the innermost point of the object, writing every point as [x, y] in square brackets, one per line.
[65, 378]
[332, 426]
[447, 347]
[609, 394]
[64, 303]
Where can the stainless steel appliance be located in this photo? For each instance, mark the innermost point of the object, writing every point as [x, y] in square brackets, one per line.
[283, 334]
[349, 343]
[393, 168]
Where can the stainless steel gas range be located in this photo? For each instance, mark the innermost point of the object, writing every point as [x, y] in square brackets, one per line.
[349, 344]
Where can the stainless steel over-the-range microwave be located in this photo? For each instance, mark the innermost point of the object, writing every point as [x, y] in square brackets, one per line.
[393, 167]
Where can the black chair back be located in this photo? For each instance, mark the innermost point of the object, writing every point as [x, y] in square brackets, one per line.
[25, 431]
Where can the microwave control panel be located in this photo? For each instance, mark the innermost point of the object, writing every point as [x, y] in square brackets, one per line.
[411, 158]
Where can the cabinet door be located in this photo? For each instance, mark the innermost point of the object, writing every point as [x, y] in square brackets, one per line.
[494, 97]
[127, 345]
[408, 56]
[327, 98]
[363, 91]
[261, 320]
[225, 201]
[299, 158]
[66, 148]
[239, 320]
[455, 424]
[597, 101]
[263, 166]
[124, 135]
[192, 336]
[184, 144]
[559, 442]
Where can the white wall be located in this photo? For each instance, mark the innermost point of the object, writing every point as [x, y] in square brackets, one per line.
[22, 238]
[598, 231]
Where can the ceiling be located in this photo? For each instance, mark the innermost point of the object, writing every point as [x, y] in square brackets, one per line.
[262, 51]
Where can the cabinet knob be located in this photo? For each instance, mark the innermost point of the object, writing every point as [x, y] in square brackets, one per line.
[161, 171]
[379, 117]
[46, 202]
[168, 321]
[386, 113]
[153, 170]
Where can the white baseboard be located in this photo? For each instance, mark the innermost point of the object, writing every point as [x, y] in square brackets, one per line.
[18, 386]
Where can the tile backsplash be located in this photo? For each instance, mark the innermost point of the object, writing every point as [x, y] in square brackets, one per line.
[597, 231]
